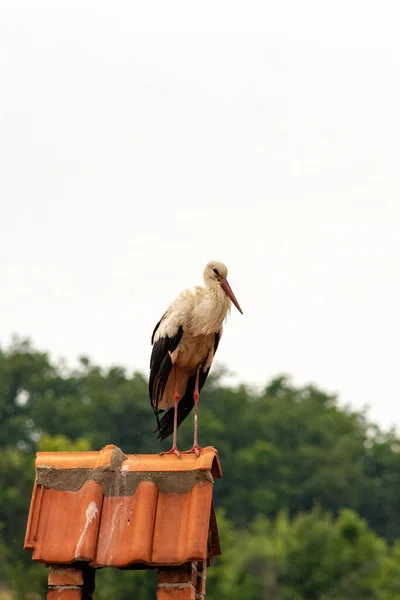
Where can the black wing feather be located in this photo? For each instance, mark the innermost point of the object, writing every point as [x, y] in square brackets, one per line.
[217, 337]
[186, 403]
[161, 365]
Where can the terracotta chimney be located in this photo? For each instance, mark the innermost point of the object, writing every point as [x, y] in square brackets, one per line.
[108, 509]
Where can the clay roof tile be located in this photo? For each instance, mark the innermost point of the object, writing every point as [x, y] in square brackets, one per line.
[112, 509]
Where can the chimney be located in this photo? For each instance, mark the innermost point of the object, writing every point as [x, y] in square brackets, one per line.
[102, 509]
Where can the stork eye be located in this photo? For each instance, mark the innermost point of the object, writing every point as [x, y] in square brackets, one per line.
[216, 271]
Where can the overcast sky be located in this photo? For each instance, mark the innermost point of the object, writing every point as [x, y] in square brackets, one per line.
[138, 140]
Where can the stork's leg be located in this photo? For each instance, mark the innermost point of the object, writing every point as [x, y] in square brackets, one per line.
[174, 449]
[196, 448]
[196, 395]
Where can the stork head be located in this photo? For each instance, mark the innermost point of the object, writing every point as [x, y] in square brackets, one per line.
[216, 273]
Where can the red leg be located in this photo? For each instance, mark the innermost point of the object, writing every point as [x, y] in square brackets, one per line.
[174, 449]
[196, 448]
[196, 402]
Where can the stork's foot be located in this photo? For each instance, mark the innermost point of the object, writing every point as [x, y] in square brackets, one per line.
[194, 450]
[174, 450]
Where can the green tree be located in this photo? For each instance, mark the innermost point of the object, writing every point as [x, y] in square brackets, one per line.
[312, 557]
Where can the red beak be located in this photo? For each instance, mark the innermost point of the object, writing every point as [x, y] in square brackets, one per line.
[228, 291]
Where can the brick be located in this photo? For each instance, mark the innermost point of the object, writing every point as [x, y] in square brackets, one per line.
[59, 593]
[186, 573]
[176, 593]
[61, 576]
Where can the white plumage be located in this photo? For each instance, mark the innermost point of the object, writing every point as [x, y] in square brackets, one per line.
[184, 344]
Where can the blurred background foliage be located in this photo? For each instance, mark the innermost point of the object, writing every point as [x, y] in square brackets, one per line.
[308, 506]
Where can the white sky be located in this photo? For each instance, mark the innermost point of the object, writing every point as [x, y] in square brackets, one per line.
[138, 140]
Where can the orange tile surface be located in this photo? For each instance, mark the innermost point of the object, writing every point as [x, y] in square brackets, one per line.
[67, 524]
[182, 525]
[207, 461]
[111, 509]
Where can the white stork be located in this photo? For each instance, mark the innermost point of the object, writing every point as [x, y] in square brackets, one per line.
[184, 344]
